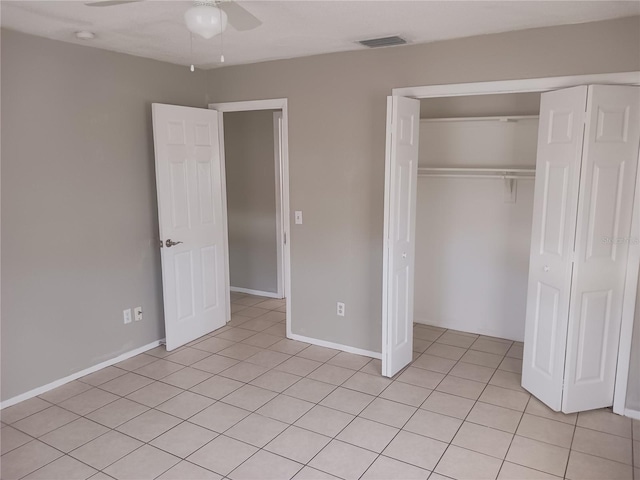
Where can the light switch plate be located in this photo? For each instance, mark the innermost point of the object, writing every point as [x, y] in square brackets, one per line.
[298, 217]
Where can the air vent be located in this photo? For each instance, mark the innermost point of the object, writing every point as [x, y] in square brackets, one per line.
[383, 42]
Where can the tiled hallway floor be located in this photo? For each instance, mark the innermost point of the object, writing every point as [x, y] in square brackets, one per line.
[246, 403]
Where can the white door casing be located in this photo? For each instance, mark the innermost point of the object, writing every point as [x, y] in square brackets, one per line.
[401, 172]
[605, 209]
[560, 136]
[190, 211]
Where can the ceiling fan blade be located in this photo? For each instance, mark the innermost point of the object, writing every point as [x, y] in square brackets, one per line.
[238, 17]
[111, 3]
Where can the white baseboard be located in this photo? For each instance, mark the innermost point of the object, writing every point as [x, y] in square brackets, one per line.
[259, 293]
[628, 412]
[75, 376]
[335, 346]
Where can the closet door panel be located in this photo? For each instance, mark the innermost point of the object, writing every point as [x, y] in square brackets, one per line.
[560, 137]
[607, 186]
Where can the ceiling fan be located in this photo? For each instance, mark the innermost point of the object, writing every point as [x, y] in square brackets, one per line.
[205, 18]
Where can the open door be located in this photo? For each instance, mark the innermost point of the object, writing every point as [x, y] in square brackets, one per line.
[401, 173]
[190, 213]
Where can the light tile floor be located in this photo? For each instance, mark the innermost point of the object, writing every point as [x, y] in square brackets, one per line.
[246, 403]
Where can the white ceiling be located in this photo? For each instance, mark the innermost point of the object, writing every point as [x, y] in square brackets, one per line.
[155, 28]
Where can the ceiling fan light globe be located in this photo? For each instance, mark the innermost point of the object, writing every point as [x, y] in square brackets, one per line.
[206, 21]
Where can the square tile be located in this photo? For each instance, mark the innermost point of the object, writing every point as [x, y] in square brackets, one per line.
[446, 351]
[504, 397]
[406, 393]
[136, 362]
[511, 471]
[213, 345]
[184, 439]
[159, 369]
[385, 468]
[587, 467]
[331, 374]
[433, 425]
[188, 471]
[456, 340]
[420, 346]
[249, 397]
[26, 459]
[278, 329]
[538, 455]
[236, 334]
[23, 409]
[222, 455]
[426, 333]
[185, 405]
[214, 364]
[258, 324]
[188, 356]
[539, 409]
[290, 347]
[102, 376]
[308, 473]
[515, 351]
[433, 363]
[600, 444]
[319, 354]
[343, 460]
[217, 387]
[495, 417]
[123, 385]
[256, 430]
[149, 425]
[45, 421]
[159, 351]
[154, 394]
[240, 351]
[286, 409]
[349, 360]
[421, 378]
[325, 421]
[447, 404]
[145, 463]
[511, 365]
[390, 413]
[64, 468]
[186, 378]
[310, 390]
[88, 401]
[416, 450]
[365, 383]
[348, 401]
[604, 420]
[508, 380]
[266, 466]
[299, 366]
[464, 464]
[244, 372]
[368, 434]
[64, 392]
[545, 430]
[10, 439]
[263, 340]
[106, 449]
[73, 434]
[275, 381]
[298, 444]
[481, 358]
[472, 372]
[488, 441]
[253, 312]
[461, 387]
[374, 367]
[488, 346]
[219, 417]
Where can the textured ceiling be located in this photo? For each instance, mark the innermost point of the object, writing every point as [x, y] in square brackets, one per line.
[155, 28]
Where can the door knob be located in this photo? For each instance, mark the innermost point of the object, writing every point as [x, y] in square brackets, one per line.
[404, 255]
[545, 268]
[171, 243]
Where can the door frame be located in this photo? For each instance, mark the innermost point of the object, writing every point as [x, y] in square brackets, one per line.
[543, 84]
[282, 191]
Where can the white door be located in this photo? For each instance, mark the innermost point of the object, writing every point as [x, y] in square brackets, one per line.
[605, 209]
[560, 136]
[401, 173]
[190, 213]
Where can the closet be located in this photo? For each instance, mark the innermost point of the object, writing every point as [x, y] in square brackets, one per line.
[474, 212]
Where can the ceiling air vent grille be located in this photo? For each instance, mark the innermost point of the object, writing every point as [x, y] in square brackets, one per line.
[383, 42]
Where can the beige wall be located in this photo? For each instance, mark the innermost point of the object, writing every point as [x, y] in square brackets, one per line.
[251, 200]
[79, 221]
[336, 147]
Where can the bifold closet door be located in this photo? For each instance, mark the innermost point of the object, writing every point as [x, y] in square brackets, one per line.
[560, 136]
[605, 209]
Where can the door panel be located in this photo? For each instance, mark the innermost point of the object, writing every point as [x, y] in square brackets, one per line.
[607, 188]
[400, 203]
[189, 211]
[558, 161]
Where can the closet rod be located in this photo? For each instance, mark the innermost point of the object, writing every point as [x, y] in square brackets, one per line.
[499, 118]
[477, 169]
[470, 175]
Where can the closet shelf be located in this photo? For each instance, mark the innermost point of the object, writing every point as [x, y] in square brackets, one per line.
[503, 118]
[507, 173]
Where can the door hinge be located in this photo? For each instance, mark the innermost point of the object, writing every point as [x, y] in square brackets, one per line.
[285, 238]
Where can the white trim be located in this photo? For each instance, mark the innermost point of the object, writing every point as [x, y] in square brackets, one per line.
[225, 224]
[517, 86]
[628, 307]
[335, 346]
[277, 157]
[259, 293]
[631, 413]
[270, 104]
[386, 243]
[81, 373]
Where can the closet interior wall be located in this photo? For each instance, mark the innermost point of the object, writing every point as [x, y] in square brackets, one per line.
[472, 238]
